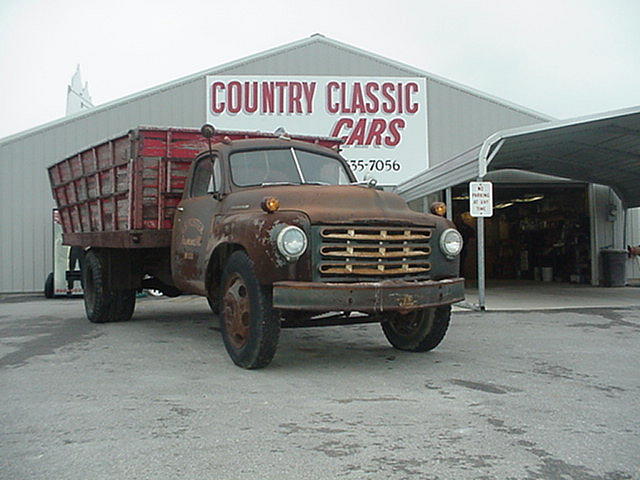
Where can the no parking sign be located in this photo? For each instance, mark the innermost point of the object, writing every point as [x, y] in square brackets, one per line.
[481, 199]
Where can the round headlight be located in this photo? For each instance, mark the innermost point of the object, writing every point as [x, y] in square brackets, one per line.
[292, 242]
[451, 242]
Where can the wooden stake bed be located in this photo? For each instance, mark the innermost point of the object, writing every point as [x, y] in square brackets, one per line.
[123, 192]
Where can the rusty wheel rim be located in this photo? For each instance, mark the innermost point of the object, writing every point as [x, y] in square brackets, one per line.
[409, 324]
[237, 311]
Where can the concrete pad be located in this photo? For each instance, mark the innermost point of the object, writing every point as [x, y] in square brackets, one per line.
[523, 295]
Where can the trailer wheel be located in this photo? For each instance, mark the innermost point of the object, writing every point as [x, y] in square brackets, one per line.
[101, 303]
[48, 286]
[250, 327]
[418, 331]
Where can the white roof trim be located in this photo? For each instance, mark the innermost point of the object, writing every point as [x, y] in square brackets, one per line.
[267, 53]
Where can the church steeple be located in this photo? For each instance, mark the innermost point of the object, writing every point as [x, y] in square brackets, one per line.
[78, 97]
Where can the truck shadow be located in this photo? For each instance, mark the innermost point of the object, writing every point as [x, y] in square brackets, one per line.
[361, 347]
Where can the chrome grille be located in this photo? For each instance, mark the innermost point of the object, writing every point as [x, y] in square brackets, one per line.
[351, 253]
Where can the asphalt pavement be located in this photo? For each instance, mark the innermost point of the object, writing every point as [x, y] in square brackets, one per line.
[507, 395]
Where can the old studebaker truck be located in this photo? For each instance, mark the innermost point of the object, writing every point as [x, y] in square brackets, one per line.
[273, 229]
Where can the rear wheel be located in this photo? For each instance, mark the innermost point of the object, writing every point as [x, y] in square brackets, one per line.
[101, 303]
[250, 327]
[48, 286]
[418, 331]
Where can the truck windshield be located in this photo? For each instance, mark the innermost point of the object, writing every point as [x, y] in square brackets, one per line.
[286, 166]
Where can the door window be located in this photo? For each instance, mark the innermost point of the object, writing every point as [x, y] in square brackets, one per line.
[204, 177]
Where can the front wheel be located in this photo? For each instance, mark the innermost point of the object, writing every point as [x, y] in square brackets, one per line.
[250, 327]
[101, 303]
[418, 331]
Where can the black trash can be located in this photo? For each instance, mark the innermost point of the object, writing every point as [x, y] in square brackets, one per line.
[614, 273]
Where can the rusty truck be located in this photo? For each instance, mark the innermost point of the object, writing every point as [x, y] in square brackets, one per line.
[273, 229]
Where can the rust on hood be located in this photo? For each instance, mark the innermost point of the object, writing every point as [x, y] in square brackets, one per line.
[336, 204]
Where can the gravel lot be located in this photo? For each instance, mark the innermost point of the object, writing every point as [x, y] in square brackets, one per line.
[527, 395]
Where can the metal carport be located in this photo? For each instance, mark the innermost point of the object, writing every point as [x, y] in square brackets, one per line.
[600, 149]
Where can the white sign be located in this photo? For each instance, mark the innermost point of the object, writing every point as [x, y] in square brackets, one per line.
[481, 199]
[383, 121]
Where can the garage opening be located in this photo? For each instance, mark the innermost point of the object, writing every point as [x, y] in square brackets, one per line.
[538, 232]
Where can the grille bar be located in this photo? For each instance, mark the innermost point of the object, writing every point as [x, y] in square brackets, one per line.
[353, 253]
[374, 268]
[379, 234]
[374, 252]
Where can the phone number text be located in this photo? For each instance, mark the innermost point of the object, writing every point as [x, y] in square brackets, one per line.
[373, 165]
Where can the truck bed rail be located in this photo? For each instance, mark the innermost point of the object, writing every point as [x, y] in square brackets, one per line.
[123, 192]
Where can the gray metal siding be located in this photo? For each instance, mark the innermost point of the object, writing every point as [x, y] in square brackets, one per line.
[459, 120]
[25, 216]
[317, 59]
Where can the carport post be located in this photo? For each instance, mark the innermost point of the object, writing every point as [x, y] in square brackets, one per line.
[448, 201]
[624, 227]
[484, 158]
[481, 272]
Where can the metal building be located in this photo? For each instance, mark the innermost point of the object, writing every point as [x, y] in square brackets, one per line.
[459, 118]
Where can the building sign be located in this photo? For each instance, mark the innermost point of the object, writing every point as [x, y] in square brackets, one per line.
[383, 121]
[481, 199]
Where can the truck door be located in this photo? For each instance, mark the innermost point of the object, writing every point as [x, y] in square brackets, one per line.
[192, 226]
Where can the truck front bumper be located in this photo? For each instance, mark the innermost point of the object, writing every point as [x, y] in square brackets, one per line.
[370, 297]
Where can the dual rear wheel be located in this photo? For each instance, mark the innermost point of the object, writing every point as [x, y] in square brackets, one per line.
[102, 302]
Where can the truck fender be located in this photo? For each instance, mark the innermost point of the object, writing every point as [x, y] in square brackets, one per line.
[215, 266]
[256, 235]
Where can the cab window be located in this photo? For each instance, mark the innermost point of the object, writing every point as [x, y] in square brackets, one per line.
[204, 178]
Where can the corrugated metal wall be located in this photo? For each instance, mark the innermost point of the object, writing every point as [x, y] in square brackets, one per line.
[25, 195]
[457, 121]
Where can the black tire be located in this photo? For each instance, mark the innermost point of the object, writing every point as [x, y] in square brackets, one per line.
[418, 331]
[250, 328]
[213, 305]
[48, 286]
[101, 303]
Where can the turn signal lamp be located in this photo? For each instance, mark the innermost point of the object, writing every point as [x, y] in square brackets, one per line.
[270, 204]
[439, 208]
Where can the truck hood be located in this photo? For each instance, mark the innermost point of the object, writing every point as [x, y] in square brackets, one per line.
[341, 204]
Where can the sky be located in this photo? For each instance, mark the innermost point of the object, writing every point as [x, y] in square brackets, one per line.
[564, 58]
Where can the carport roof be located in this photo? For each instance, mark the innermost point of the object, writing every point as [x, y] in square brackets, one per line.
[602, 148]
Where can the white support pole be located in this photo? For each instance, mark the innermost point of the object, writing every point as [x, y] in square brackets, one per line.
[593, 235]
[481, 264]
[449, 203]
[624, 228]
[484, 159]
